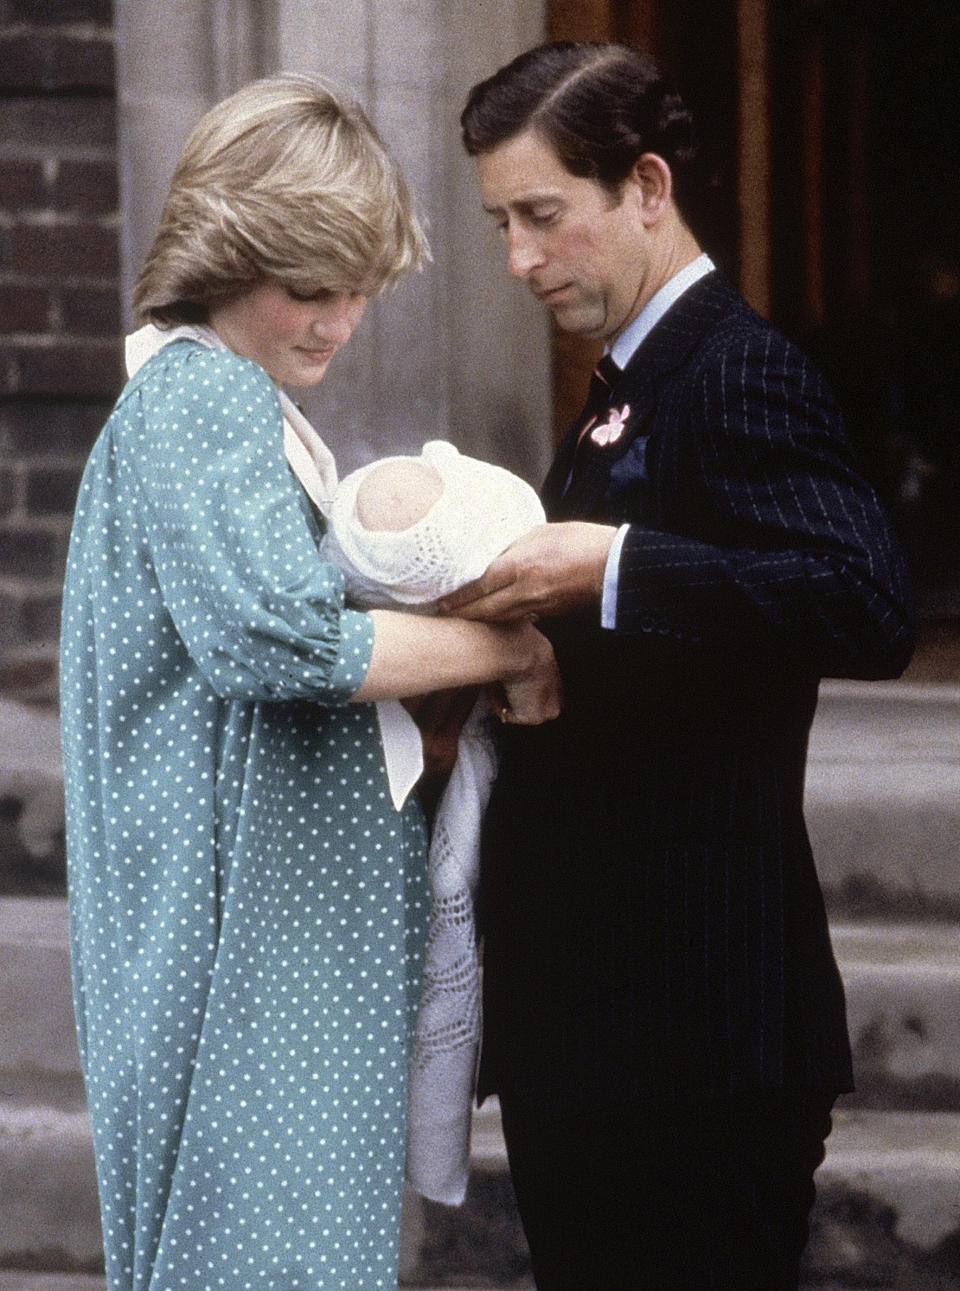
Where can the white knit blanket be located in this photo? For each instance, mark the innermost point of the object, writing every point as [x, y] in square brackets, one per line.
[481, 511]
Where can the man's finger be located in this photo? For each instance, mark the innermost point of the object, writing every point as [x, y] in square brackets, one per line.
[501, 574]
[498, 607]
[465, 595]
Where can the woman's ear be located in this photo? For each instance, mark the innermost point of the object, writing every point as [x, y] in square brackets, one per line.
[654, 182]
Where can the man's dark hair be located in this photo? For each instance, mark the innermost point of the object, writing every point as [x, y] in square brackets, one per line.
[599, 106]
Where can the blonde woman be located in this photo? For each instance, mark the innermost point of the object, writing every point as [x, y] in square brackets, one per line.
[248, 900]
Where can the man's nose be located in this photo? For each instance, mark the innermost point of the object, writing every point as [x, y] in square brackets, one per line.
[523, 253]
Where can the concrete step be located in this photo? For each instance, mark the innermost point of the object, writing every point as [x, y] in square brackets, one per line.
[902, 980]
[903, 1006]
[13, 1280]
[28, 1280]
[887, 1212]
[888, 1203]
[883, 798]
[24, 1280]
[888, 1209]
[49, 1216]
[37, 1031]
[31, 794]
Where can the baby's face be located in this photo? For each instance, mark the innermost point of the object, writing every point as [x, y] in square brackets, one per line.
[397, 494]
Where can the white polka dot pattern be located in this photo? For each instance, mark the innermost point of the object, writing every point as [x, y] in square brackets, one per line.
[248, 910]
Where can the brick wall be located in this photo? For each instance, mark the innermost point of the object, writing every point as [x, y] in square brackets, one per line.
[60, 355]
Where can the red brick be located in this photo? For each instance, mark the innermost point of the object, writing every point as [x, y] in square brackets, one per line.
[9, 491]
[33, 426]
[23, 61]
[50, 13]
[24, 309]
[80, 250]
[41, 619]
[32, 61]
[86, 121]
[22, 185]
[28, 552]
[90, 311]
[52, 490]
[87, 186]
[30, 675]
[83, 64]
[11, 626]
[68, 368]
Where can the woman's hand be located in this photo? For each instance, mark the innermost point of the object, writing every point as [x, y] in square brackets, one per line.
[536, 694]
[415, 654]
[440, 717]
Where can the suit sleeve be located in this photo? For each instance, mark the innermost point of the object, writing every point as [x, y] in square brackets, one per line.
[782, 545]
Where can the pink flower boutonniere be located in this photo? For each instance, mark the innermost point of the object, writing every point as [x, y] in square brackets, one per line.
[609, 431]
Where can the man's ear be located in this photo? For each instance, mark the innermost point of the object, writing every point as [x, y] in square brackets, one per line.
[654, 186]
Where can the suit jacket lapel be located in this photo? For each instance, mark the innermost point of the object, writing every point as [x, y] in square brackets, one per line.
[665, 349]
[553, 486]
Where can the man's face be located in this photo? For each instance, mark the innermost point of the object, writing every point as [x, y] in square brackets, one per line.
[580, 252]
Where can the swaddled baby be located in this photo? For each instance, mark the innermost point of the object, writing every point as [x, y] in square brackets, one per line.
[406, 531]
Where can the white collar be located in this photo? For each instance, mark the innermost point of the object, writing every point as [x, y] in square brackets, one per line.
[629, 340]
[310, 459]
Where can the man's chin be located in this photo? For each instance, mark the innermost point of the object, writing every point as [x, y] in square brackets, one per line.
[578, 321]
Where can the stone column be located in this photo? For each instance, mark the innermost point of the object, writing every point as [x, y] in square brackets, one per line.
[457, 352]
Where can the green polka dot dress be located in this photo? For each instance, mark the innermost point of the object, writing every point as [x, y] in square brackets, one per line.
[248, 909]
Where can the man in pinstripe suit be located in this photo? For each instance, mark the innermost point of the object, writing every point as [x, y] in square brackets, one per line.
[664, 1020]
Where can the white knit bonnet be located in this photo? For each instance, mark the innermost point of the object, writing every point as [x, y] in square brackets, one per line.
[481, 510]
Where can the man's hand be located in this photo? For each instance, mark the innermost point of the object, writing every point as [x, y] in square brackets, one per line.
[552, 570]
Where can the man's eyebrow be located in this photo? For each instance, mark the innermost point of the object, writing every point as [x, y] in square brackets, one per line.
[522, 203]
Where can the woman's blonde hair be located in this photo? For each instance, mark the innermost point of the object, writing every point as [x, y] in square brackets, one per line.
[282, 180]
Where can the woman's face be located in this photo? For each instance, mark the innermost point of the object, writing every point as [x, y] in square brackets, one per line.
[292, 336]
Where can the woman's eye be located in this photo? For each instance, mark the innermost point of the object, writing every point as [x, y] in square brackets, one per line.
[305, 294]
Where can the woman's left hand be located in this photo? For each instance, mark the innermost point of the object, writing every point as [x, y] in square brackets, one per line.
[440, 717]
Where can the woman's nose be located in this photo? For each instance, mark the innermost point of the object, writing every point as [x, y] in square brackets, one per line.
[347, 310]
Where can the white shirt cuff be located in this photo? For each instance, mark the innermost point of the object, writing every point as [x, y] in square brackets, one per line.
[611, 575]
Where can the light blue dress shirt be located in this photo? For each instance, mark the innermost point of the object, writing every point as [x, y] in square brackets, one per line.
[622, 351]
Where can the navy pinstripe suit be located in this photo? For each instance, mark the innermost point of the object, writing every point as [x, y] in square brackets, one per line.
[654, 925]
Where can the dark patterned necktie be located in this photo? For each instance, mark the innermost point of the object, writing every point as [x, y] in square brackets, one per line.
[602, 381]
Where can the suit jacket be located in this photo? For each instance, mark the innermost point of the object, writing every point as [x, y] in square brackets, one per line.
[653, 921]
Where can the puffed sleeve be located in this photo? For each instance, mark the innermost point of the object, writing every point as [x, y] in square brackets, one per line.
[260, 614]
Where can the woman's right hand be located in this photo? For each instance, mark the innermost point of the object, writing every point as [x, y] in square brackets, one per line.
[535, 694]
